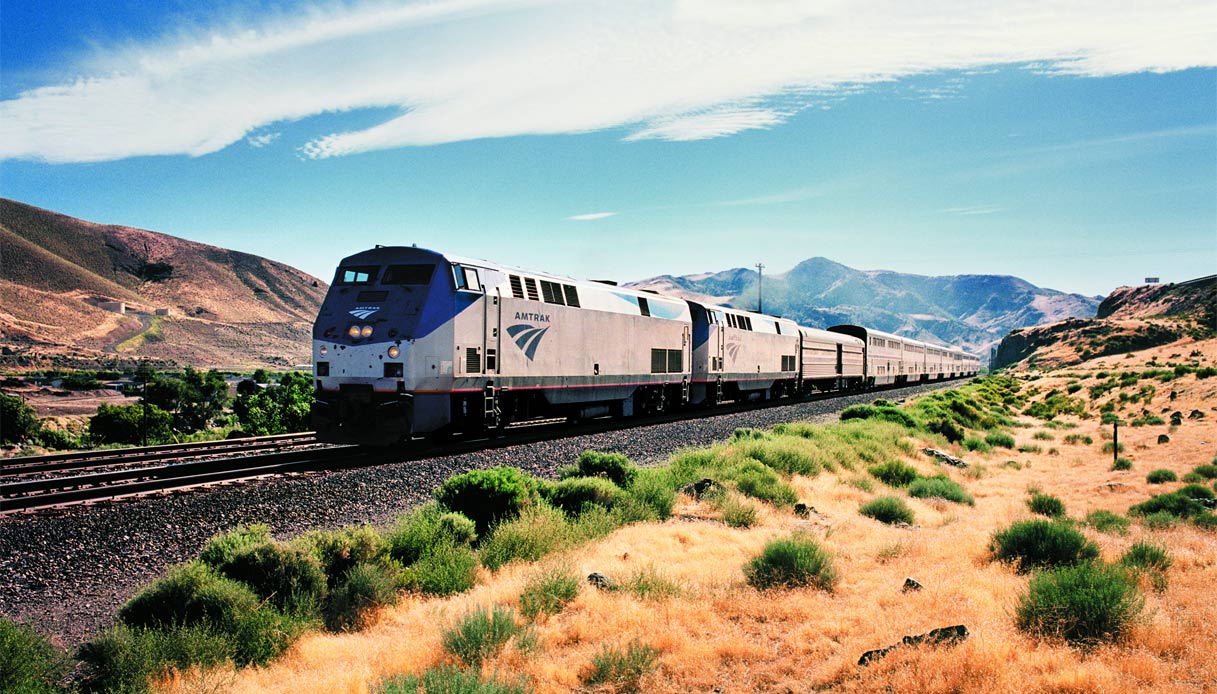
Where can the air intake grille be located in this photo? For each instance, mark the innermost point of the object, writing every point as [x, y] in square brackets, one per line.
[473, 360]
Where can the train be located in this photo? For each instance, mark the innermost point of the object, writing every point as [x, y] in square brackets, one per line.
[413, 343]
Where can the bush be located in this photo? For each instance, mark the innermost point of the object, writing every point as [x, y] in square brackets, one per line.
[288, 577]
[480, 634]
[613, 467]
[887, 509]
[893, 473]
[29, 664]
[972, 443]
[539, 531]
[449, 679]
[1121, 464]
[652, 490]
[1078, 438]
[1046, 505]
[1205, 521]
[881, 410]
[1041, 436]
[364, 587]
[129, 424]
[125, 659]
[445, 569]
[757, 480]
[189, 594]
[416, 532]
[791, 562]
[648, 583]
[221, 549]
[1161, 476]
[1037, 544]
[1174, 504]
[951, 431]
[338, 551]
[547, 592]
[1110, 447]
[1145, 556]
[1083, 604]
[1107, 522]
[996, 438]
[572, 494]
[1198, 492]
[736, 513]
[941, 487]
[487, 496]
[1029, 448]
[1206, 471]
[623, 669]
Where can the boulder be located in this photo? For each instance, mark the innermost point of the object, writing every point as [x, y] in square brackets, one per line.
[910, 583]
[699, 488]
[946, 636]
[944, 457]
[600, 581]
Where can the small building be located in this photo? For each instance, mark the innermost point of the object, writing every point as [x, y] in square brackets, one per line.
[113, 306]
[162, 311]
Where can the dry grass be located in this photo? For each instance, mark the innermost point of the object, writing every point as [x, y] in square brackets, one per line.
[718, 634]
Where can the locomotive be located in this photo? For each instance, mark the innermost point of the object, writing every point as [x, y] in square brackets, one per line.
[411, 342]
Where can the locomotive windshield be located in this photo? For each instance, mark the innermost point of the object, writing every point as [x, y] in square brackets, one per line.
[417, 274]
[362, 274]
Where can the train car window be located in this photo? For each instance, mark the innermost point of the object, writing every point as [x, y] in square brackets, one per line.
[517, 287]
[572, 295]
[645, 308]
[415, 274]
[531, 285]
[552, 291]
[363, 274]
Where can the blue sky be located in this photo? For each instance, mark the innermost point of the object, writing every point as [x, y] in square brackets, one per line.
[1067, 144]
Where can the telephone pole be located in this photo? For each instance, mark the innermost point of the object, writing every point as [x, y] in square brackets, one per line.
[760, 297]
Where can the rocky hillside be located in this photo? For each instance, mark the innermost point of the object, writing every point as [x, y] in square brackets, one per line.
[973, 311]
[1130, 319]
[185, 302]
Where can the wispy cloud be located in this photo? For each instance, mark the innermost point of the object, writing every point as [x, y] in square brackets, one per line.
[590, 217]
[458, 70]
[261, 140]
[972, 210]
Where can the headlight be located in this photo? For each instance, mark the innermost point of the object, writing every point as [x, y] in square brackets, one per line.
[354, 332]
[324, 350]
[366, 331]
[394, 352]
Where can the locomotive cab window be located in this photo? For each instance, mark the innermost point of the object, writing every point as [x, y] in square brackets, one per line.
[363, 274]
[414, 274]
[467, 278]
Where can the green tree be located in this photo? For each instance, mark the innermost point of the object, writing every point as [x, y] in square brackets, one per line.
[195, 399]
[277, 410]
[126, 424]
[261, 376]
[17, 420]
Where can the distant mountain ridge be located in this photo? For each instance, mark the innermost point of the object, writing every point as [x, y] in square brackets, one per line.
[971, 311]
[187, 302]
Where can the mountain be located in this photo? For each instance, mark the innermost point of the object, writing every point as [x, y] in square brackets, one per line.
[971, 311]
[1129, 319]
[185, 302]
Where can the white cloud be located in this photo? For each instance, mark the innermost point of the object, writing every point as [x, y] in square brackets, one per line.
[465, 69]
[261, 140]
[590, 217]
[972, 210]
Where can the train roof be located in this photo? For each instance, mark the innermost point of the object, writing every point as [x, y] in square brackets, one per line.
[864, 332]
[828, 336]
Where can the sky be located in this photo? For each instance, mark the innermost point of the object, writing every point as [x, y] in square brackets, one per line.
[1073, 144]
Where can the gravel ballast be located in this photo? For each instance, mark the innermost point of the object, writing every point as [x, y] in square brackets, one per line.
[67, 572]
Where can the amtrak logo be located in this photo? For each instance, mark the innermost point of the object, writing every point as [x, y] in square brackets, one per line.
[364, 312]
[527, 337]
[733, 350]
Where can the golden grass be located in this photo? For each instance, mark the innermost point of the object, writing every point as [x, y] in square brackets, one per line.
[720, 635]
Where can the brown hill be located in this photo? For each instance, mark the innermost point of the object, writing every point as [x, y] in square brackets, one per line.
[1130, 319]
[185, 302]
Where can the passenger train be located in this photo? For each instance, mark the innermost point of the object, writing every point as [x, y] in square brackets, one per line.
[412, 342]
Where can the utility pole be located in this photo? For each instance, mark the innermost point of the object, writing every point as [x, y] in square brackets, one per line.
[760, 297]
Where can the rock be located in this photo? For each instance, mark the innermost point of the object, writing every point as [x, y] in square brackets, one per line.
[700, 487]
[910, 583]
[946, 636]
[944, 457]
[600, 581]
[802, 510]
[1195, 414]
[1174, 394]
[1163, 438]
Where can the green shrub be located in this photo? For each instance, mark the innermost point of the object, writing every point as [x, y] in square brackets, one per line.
[1078, 438]
[548, 591]
[1084, 604]
[757, 480]
[1046, 505]
[652, 490]
[1034, 544]
[885, 412]
[1206, 471]
[1042, 436]
[1161, 476]
[445, 569]
[614, 467]
[339, 550]
[449, 679]
[1110, 447]
[648, 583]
[537, 532]
[364, 587]
[973, 443]
[29, 664]
[288, 577]
[887, 509]
[1205, 521]
[125, 659]
[622, 668]
[190, 594]
[1029, 448]
[997, 438]
[221, 548]
[791, 562]
[893, 473]
[416, 532]
[1146, 556]
[480, 634]
[571, 495]
[1107, 522]
[487, 496]
[941, 487]
[951, 431]
[1121, 464]
[736, 513]
[1159, 520]
[19, 419]
[1198, 492]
